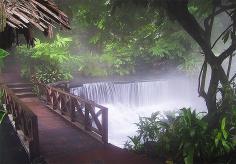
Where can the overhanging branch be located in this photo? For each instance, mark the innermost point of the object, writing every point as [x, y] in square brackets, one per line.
[181, 13]
[202, 80]
[221, 10]
[221, 35]
[227, 52]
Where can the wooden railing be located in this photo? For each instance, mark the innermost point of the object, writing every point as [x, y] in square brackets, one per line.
[89, 116]
[25, 120]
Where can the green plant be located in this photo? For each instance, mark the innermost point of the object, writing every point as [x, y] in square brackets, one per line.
[2, 110]
[224, 141]
[48, 61]
[192, 134]
[115, 60]
[3, 54]
[119, 58]
[49, 75]
[91, 65]
[186, 138]
[126, 46]
[2, 115]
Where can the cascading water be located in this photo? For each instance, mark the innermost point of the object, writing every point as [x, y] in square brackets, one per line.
[128, 101]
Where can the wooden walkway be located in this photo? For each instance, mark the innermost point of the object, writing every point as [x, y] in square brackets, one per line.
[62, 143]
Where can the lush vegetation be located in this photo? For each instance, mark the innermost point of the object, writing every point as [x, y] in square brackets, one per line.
[121, 37]
[130, 40]
[200, 25]
[48, 61]
[185, 137]
[196, 138]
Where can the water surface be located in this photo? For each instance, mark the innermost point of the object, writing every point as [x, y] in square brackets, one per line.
[127, 101]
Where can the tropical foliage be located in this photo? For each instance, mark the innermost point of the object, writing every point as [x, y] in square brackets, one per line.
[120, 36]
[184, 138]
[130, 39]
[200, 25]
[48, 61]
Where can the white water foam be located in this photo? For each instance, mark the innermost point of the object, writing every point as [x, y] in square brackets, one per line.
[129, 101]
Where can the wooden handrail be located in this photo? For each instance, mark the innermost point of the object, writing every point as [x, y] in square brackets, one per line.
[91, 116]
[25, 120]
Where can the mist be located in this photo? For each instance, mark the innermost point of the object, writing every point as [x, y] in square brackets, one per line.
[127, 101]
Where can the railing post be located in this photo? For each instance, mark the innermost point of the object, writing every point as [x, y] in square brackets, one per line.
[17, 121]
[47, 94]
[105, 125]
[54, 101]
[80, 110]
[72, 109]
[60, 105]
[25, 120]
[34, 143]
[87, 121]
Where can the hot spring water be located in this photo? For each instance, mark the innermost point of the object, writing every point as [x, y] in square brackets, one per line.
[127, 101]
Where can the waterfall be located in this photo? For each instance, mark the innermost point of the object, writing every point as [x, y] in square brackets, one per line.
[136, 94]
[127, 101]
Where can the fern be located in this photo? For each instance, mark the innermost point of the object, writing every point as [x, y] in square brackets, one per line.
[51, 61]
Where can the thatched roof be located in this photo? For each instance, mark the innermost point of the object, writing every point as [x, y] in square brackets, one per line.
[22, 15]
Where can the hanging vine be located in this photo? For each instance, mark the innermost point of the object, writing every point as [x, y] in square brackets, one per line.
[2, 16]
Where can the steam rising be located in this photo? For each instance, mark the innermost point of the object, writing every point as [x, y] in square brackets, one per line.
[128, 101]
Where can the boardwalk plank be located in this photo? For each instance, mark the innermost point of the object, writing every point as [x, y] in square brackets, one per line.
[62, 143]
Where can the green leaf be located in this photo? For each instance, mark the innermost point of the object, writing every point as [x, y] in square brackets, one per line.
[188, 153]
[226, 146]
[226, 36]
[2, 115]
[223, 122]
[192, 132]
[218, 138]
[225, 134]
[3, 53]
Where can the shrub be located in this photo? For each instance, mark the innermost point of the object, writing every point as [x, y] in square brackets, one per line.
[48, 61]
[185, 138]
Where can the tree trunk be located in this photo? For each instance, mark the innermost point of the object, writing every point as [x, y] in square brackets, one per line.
[212, 90]
[218, 82]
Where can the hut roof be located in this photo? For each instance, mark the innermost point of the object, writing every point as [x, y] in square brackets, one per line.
[20, 16]
[41, 14]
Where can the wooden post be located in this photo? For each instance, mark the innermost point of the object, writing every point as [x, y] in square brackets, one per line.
[87, 121]
[25, 120]
[17, 119]
[60, 105]
[34, 143]
[47, 94]
[72, 109]
[105, 125]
